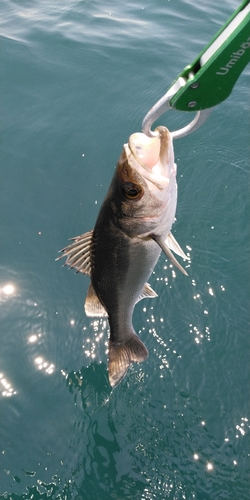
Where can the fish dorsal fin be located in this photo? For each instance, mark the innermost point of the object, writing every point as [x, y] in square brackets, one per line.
[168, 253]
[174, 245]
[78, 253]
[147, 293]
[121, 355]
[93, 307]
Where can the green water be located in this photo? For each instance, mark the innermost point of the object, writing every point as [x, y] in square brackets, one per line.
[77, 79]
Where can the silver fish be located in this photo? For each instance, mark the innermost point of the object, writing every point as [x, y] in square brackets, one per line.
[132, 228]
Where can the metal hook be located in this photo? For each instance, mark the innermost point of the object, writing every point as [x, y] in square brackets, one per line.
[198, 120]
[163, 105]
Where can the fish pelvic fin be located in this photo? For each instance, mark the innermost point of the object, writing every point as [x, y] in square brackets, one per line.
[121, 355]
[93, 307]
[174, 245]
[168, 253]
[78, 253]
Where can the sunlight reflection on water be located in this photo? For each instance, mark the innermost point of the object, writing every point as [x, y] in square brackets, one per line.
[7, 389]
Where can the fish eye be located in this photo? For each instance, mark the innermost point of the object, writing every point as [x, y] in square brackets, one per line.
[132, 191]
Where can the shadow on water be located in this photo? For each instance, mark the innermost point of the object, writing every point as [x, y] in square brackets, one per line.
[100, 470]
[93, 386]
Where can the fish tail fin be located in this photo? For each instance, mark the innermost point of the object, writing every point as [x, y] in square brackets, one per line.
[121, 355]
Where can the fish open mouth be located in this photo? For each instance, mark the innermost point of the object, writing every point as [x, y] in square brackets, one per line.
[146, 150]
[153, 155]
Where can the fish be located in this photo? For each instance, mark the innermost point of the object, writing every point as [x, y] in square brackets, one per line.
[132, 229]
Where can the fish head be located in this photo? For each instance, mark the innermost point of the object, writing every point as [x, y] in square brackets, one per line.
[146, 179]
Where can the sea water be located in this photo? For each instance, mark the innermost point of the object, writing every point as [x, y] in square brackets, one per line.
[77, 79]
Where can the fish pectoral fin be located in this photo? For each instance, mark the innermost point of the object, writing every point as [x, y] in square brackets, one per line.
[168, 253]
[121, 355]
[147, 293]
[78, 253]
[174, 245]
[93, 307]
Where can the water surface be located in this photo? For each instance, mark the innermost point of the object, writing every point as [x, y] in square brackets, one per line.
[77, 79]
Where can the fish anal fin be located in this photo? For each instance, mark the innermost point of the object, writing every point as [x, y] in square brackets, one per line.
[147, 293]
[78, 253]
[93, 307]
[121, 355]
[174, 245]
[168, 253]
